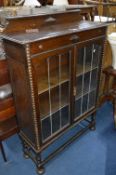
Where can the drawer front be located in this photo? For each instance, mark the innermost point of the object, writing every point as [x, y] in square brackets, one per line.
[53, 43]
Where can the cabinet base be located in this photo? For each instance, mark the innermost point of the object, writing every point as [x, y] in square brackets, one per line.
[37, 156]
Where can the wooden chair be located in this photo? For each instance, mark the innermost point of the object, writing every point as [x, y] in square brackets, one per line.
[110, 92]
[8, 125]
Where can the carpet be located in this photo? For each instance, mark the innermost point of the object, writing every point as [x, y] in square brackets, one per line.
[94, 153]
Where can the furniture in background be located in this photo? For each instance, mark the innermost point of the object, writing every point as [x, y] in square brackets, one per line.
[110, 92]
[107, 61]
[55, 85]
[106, 10]
[87, 11]
[8, 125]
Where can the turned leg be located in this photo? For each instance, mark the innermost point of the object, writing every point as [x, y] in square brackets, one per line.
[25, 150]
[93, 120]
[3, 152]
[40, 167]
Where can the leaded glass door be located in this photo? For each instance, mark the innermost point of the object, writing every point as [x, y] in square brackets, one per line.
[88, 62]
[53, 71]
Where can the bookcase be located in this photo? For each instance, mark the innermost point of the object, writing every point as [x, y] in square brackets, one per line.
[55, 66]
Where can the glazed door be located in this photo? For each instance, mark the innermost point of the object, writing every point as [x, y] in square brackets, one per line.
[53, 71]
[87, 70]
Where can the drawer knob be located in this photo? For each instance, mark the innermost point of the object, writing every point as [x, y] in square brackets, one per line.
[40, 46]
[74, 38]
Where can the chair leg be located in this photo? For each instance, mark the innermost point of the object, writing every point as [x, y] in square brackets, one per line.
[114, 111]
[3, 152]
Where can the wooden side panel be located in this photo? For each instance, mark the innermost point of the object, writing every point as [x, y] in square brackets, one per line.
[15, 51]
[22, 94]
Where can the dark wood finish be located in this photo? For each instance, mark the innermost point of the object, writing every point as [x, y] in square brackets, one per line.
[110, 93]
[8, 125]
[52, 53]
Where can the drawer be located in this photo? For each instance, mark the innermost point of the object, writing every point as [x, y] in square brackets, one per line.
[52, 43]
[56, 42]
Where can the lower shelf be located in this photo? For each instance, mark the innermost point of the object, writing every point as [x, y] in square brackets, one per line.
[46, 153]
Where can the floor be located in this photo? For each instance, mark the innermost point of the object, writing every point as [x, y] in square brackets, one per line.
[94, 153]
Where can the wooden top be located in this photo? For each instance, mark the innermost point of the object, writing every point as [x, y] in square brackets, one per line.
[33, 35]
[26, 29]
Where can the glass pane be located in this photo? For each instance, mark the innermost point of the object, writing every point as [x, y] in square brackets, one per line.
[86, 82]
[88, 57]
[87, 71]
[92, 99]
[79, 81]
[44, 105]
[53, 71]
[64, 67]
[42, 74]
[78, 107]
[65, 94]
[54, 99]
[65, 99]
[85, 103]
[94, 79]
[96, 55]
[80, 61]
[46, 128]
[55, 122]
[64, 116]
